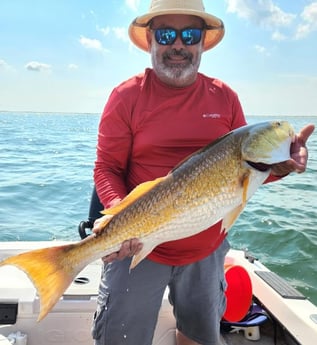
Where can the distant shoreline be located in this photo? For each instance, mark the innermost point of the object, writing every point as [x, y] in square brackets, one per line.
[99, 113]
[47, 112]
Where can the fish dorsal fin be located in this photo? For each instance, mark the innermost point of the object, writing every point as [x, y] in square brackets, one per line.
[136, 193]
[199, 152]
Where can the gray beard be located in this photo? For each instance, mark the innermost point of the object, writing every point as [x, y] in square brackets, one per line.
[176, 74]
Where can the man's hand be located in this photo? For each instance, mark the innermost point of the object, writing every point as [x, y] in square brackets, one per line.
[299, 154]
[128, 248]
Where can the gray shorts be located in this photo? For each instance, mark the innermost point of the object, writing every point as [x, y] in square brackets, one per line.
[128, 303]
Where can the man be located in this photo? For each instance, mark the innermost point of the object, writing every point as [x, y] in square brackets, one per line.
[150, 123]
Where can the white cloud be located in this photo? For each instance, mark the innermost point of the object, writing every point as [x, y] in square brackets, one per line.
[5, 66]
[278, 36]
[72, 66]
[261, 50]
[105, 31]
[262, 12]
[38, 66]
[310, 13]
[267, 14]
[309, 17]
[133, 4]
[121, 33]
[90, 43]
[302, 31]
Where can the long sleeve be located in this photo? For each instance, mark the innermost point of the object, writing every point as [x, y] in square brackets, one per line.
[113, 148]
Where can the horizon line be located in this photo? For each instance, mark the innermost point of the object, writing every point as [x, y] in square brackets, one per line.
[100, 113]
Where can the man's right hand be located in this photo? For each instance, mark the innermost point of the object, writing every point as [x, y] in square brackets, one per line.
[128, 248]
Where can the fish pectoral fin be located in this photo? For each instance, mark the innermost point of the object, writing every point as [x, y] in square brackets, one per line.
[245, 187]
[145, 251]
[133, 195]
[231, 217]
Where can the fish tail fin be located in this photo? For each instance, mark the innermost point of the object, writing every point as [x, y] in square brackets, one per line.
[49, 272]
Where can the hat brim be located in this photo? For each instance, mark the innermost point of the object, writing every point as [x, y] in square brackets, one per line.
[214, 27]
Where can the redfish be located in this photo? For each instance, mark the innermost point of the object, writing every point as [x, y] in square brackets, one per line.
[211, 185]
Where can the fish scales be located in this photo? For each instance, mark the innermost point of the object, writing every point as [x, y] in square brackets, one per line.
[166, 206]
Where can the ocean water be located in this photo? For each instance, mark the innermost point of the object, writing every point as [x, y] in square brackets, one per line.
[46, 163]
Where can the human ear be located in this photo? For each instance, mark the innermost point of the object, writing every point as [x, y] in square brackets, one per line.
[149, 39]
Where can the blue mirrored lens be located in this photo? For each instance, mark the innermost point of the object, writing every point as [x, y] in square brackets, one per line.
[191, 36]
[168, 36]
[165, 36]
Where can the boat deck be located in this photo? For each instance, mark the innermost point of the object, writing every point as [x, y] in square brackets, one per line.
[69, 322]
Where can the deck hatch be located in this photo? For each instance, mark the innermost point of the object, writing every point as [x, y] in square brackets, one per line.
[8, 313]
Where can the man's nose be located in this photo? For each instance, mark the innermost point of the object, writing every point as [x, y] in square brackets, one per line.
[178, 42]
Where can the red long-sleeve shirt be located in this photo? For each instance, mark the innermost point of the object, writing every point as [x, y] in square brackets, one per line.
[147, 128]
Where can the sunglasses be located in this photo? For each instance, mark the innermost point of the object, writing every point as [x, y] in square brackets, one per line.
[167, 36]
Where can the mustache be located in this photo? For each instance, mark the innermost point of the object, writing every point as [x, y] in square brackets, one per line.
[178, 52]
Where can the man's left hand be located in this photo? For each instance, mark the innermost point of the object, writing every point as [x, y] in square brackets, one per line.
[299, 154]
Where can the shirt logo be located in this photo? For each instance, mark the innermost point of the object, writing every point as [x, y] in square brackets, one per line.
[211, 116]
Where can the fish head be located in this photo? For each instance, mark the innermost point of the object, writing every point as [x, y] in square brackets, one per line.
[267, 143]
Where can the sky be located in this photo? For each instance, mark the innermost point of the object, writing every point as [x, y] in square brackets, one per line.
[67, 55]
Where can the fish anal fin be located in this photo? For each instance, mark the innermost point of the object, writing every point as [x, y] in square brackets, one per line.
[45, 268]
[145, 251]
[132, 196]
[231, 217]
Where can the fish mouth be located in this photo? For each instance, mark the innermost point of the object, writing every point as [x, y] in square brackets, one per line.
[260, 166]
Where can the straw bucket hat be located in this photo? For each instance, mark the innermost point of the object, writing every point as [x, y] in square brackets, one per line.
[214, 25]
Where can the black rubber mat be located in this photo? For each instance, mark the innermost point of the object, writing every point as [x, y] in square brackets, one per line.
[280, 285]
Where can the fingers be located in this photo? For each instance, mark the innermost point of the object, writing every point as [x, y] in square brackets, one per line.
[305, 133]
[100, 223]
[299, 154]
[110, 258]
[128, 248]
